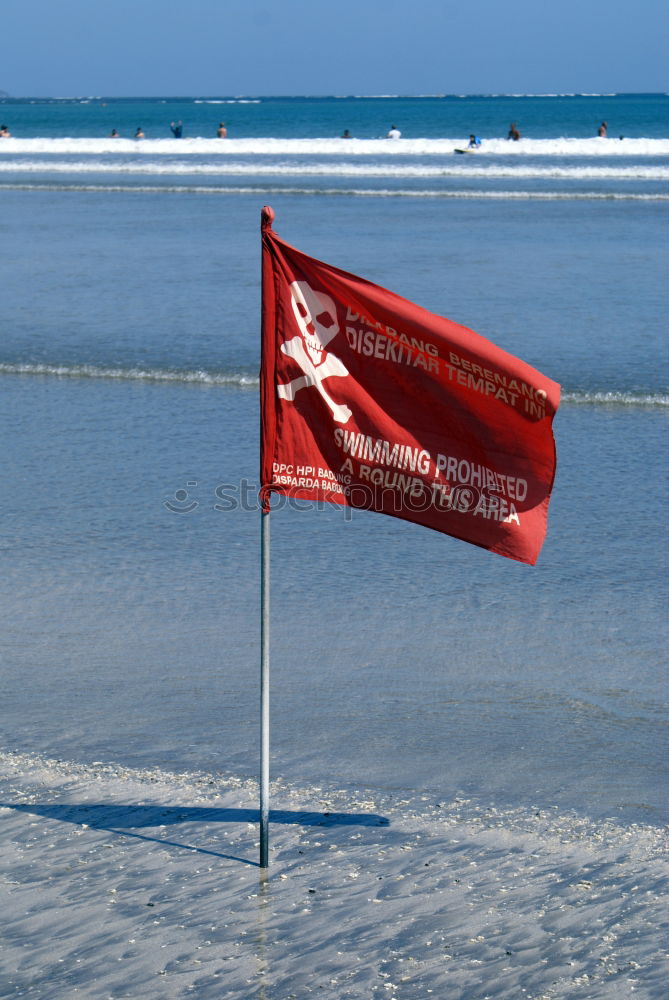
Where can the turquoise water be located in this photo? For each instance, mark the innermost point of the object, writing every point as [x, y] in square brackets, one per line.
[402, 660]
[540, 117]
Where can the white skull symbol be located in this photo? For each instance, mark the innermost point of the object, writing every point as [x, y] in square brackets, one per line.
[316, 317]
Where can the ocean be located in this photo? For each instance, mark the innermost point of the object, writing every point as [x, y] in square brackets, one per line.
[404, 662]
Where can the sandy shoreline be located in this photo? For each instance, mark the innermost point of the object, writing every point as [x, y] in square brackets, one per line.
[125, 883]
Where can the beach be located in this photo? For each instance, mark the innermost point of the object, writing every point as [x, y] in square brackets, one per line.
[468, 755]
[127, 883]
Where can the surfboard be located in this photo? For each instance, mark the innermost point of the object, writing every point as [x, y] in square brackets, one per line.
[464, 150]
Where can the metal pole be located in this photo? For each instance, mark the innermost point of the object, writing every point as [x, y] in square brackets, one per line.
[264, 689]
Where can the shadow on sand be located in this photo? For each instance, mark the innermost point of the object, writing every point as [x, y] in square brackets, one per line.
[122, 819]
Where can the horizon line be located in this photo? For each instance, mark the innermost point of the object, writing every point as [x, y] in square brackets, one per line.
[4, 95]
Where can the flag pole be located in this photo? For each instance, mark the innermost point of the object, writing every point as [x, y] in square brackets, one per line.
[264, 688]
[267, 392]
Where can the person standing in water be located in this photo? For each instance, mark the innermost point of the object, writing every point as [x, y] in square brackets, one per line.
[177, 129]
[513, 132]
[222, 131]
[394, 133]
[601, 131]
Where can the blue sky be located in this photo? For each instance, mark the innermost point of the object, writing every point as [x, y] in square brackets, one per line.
[230, 47]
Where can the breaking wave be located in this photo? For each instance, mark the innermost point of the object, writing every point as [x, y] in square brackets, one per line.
[591, 147]
[193, 376]
[347, 192]
[636, 398]
[459, 170]
[245, 380]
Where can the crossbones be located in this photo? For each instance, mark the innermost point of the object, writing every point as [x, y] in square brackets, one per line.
[317, 319]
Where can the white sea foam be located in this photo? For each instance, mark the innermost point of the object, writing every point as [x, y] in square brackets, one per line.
[592, 147]
[314, 168]
[615, 398]
[341, 192]
[228, 100]
[194, 376]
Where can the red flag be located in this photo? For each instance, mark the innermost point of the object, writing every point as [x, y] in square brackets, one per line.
[370, 401]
